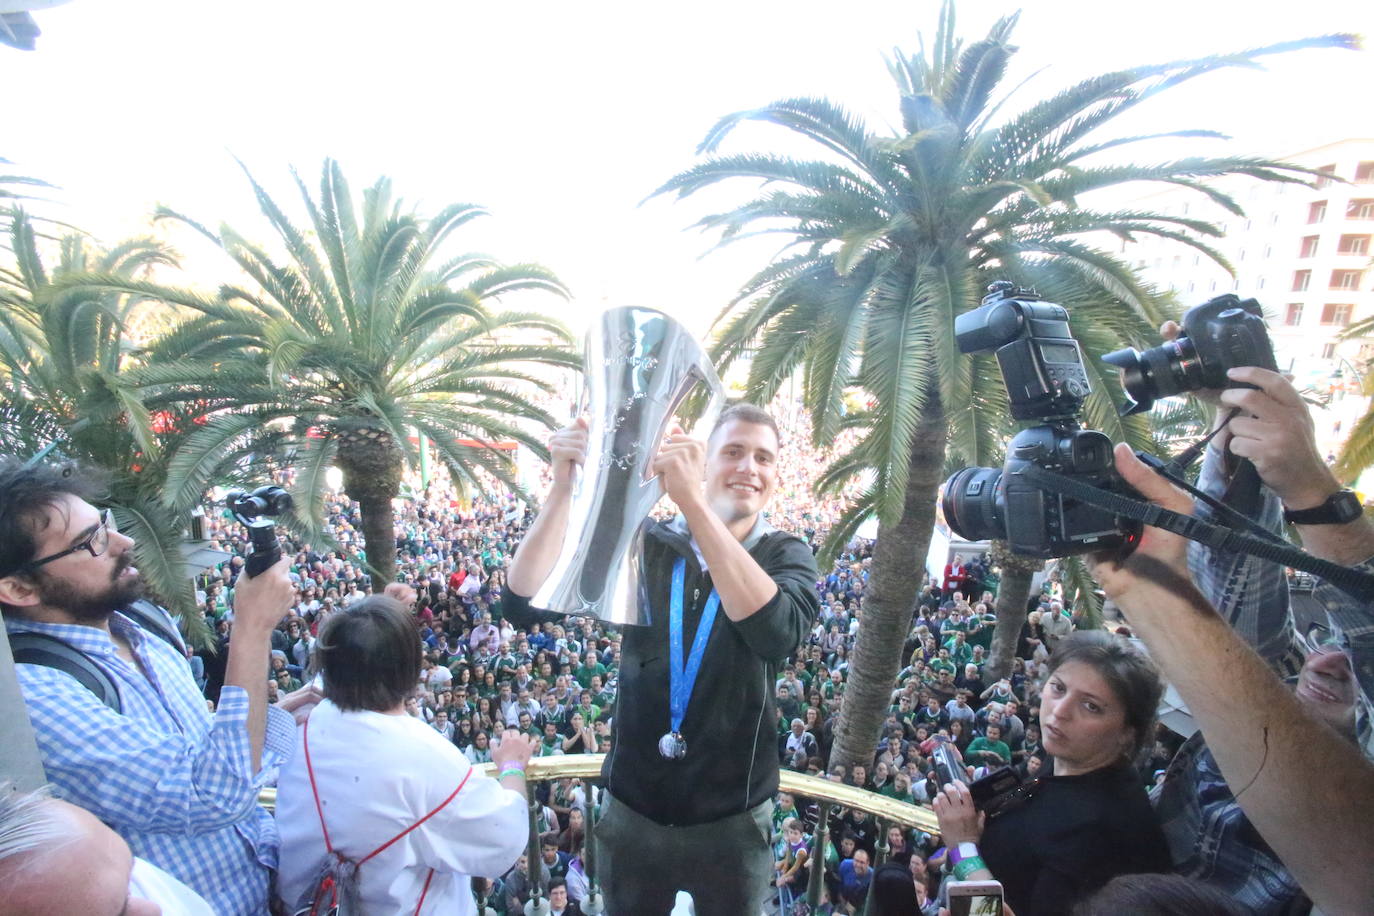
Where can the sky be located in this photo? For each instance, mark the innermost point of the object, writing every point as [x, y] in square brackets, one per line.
[562, 118]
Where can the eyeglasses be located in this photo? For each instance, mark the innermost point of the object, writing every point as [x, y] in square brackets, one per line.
[94, 543]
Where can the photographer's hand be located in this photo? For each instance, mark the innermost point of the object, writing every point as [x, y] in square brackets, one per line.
[1278, 438]
[960, 821]
[1157, 552]
[1277, 435]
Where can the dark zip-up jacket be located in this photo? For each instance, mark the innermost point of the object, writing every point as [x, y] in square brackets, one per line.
[731, 723]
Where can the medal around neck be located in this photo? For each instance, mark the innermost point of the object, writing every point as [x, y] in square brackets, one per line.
[672, 746]
[639, 366]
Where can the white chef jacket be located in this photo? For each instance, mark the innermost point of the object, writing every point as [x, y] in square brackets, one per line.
[377, 774]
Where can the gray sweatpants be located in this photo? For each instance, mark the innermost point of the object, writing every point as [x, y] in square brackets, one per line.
[725, 865]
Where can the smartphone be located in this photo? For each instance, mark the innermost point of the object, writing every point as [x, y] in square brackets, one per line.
[974, 898]
[948, 767]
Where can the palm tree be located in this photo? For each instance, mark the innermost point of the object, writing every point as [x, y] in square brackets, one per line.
[333, 355]
[66, 387]
[891, 237]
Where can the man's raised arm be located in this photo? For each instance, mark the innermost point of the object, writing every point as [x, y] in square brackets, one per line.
[539, 549]
[1266, 745]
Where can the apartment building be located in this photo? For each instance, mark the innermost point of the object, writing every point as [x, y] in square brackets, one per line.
[1306, 255]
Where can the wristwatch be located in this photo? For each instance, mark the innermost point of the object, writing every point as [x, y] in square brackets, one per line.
[1340, 507]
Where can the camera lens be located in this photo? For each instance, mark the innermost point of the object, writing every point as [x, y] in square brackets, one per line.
[970, 504]
[1159, 372]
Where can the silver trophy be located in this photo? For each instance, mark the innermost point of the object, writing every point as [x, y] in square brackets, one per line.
[639, 366]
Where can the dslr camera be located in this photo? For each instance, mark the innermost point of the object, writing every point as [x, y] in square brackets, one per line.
[1042, 367]
[255, 511]
[1218, 335]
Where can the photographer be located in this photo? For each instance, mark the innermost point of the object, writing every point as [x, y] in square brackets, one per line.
[1262, 738]
[1090, 820]
[1209, 835]
[179, 784]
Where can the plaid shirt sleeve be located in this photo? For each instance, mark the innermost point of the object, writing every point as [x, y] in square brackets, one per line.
[126, 770]
[1250, 594]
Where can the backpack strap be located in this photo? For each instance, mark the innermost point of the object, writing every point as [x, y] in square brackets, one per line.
[152, 619]
[51, 652]
[357, 867]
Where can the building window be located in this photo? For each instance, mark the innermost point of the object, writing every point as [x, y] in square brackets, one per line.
[1360, 209]
[1329, 350]
[1259, 284]
[1301, 280]
[1268, 252]
[1364, 172]
[1309, 247]
[1337, 314]
[1192, 286]
[1294, 316]
[1328, 171]
[1345, 279]
[1316, 212]
[1353, 244]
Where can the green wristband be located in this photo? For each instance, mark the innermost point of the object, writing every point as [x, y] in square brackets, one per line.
[512, 771]
[968, 866]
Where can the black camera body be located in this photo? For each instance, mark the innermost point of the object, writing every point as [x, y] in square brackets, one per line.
[1042, 366]
[1218, 335]
[255, 511]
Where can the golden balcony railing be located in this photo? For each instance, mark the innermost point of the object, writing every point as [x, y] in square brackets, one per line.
[885, 811]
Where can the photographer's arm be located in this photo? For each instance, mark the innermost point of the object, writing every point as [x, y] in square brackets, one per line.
[260, 602]
[1263, 741]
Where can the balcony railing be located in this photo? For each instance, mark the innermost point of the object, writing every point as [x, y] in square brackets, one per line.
[829, 795]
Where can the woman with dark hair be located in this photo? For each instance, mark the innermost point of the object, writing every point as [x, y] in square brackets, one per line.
[1091, 819]
[369, 785]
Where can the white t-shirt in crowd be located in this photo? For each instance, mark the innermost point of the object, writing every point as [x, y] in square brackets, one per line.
[378, 774]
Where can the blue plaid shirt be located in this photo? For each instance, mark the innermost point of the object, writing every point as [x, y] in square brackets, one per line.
[1209, 836]
[173, 780]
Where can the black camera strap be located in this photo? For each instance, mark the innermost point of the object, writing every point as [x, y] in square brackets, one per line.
[1351, 581]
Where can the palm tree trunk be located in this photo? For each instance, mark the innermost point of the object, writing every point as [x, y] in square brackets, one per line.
[372, 465]
[1012, 594]
[895, 579]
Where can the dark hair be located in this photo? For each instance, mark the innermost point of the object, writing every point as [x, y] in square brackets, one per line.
[370, 655]
[1130, 675]
[894, 891]
[1158, 895]
[26, 493]
[747, 413]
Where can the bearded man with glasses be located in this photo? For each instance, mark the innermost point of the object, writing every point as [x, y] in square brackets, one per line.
[178, 783]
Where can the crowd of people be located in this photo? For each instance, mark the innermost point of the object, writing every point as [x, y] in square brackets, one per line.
[499, 682]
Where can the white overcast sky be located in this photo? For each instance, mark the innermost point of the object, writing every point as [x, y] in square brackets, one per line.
[561, 117]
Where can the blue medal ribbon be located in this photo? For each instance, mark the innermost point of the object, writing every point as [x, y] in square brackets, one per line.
[683, 677]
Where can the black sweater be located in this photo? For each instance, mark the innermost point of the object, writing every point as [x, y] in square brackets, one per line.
[730, 727]
[1074, 836]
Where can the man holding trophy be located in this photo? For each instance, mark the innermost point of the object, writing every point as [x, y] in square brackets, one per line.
[723, 599]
